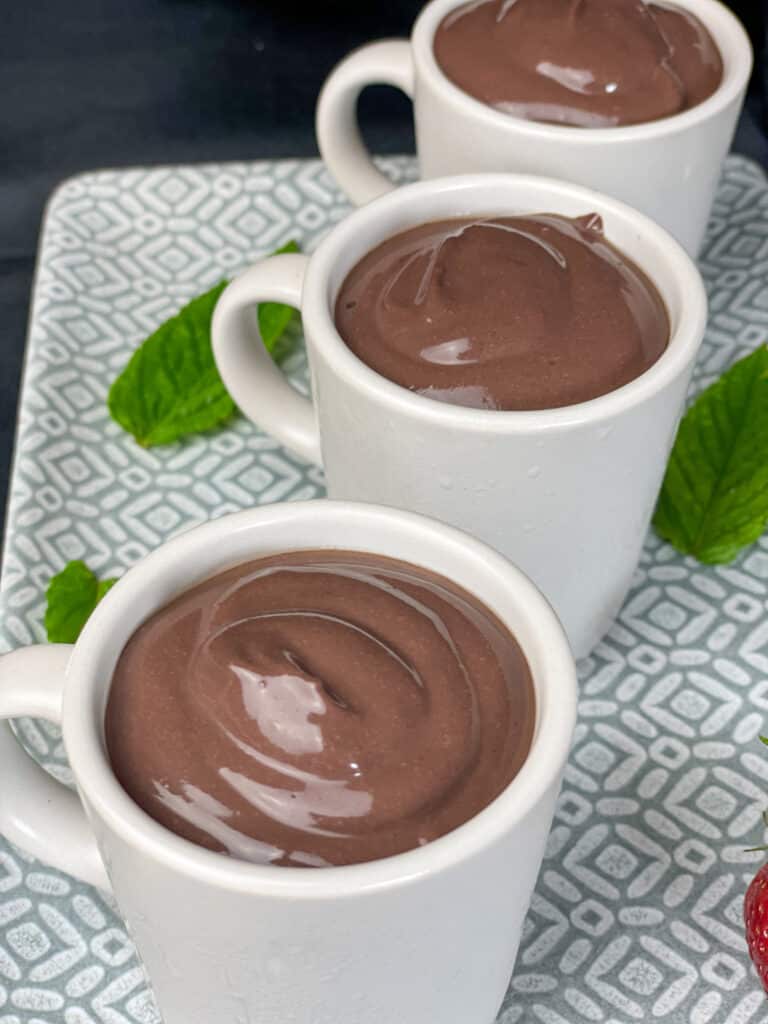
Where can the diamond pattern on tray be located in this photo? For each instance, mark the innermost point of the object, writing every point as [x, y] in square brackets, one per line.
[637, 912]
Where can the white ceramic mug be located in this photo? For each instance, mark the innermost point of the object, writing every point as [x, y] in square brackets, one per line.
[430, 934]
[566, 494]
[668, 168]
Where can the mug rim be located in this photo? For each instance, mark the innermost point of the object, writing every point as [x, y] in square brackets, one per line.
[110, 627]
[464, 195]
[726, 29]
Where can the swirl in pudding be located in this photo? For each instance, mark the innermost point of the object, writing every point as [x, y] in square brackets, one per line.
[531, 312]
[319, 708]
[584, 63]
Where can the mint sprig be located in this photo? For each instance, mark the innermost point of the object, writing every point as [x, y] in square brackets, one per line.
[171, 386]
[714, 499]
[72, 595]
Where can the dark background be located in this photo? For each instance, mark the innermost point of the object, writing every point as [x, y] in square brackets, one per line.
[108, 83]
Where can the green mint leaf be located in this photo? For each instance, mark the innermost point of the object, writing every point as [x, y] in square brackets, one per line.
[72, 595]
[171, 386]
[274, 317]
[714, 499]
[104, 587]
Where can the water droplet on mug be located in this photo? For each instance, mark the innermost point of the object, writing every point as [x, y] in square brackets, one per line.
[529, 527]
[446, 483]
[603, 432]
[534, 471]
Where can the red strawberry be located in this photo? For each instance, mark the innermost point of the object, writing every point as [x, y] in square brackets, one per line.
[756, 921]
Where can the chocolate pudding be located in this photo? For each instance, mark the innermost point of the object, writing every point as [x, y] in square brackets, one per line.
[319, 708]
[531, 312]
[587, 63]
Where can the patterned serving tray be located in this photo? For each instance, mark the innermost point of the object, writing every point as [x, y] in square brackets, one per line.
[637, 913]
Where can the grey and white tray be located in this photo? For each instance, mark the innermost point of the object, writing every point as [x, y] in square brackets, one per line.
[637, 914]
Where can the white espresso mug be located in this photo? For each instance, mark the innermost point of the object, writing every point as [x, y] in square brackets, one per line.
[430, 934]
[668, 168]
[566, 494]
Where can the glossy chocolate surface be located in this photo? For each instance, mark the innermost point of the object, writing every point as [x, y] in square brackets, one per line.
[585, 63]
[531, 312]
[319, 708]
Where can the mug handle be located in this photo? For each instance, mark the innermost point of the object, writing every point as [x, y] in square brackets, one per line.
[37, 813]
[250, 375]
[388, 62]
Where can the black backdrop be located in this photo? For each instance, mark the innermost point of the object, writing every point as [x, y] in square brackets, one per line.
[99, 83]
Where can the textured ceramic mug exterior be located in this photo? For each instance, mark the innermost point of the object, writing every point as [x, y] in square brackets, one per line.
[667, 169]
[430, 934]
[566, 494]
